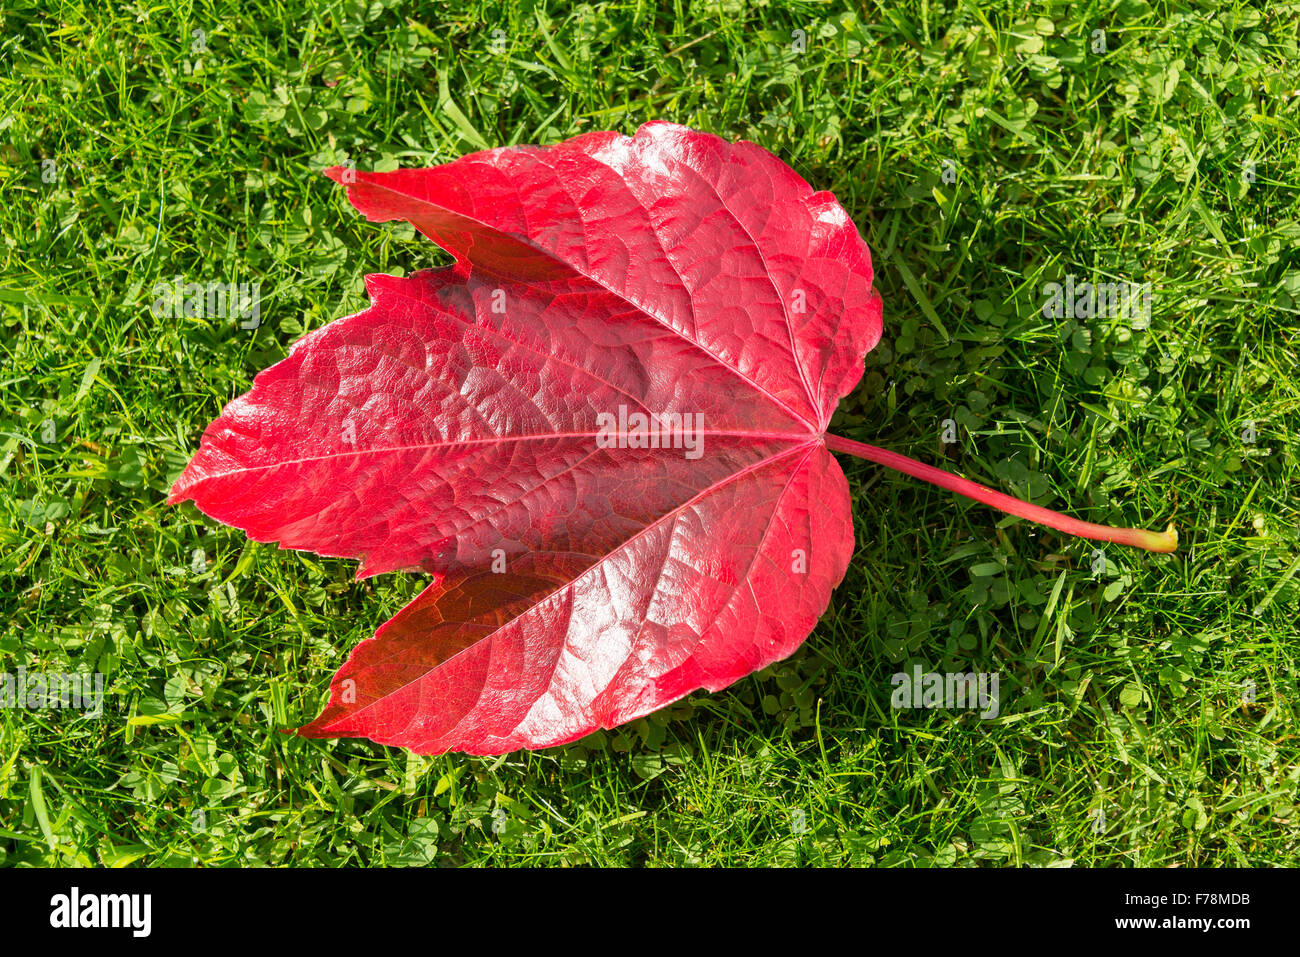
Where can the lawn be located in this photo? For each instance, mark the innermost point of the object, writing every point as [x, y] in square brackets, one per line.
[1148, 703]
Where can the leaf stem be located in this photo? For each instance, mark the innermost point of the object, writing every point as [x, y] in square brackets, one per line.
[1166, 541]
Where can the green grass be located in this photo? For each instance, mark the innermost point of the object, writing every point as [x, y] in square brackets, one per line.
[1122, 691]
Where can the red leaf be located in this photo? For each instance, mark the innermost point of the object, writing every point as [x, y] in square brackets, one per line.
[453, 426]
[458, 426]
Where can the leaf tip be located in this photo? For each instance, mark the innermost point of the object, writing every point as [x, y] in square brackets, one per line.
[316, 728]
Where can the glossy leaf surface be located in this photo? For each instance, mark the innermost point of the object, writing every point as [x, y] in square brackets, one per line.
[460, 426]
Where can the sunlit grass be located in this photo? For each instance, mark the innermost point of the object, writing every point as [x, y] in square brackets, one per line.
[1148, 703]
